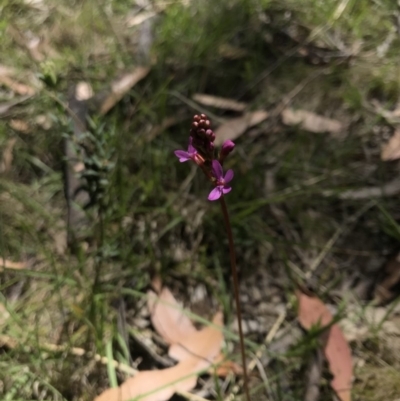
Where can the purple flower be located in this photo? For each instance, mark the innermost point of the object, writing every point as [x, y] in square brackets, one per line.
[221, 183]
[189, 155]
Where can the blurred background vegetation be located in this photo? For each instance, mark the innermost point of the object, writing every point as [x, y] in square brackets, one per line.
[302, 207]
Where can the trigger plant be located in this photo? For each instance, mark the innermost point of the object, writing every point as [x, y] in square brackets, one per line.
[201, 150]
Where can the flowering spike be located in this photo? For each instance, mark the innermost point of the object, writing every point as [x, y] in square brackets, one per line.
[201, 150]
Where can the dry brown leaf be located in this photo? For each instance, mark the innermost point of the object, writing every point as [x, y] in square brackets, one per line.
[171, 322]
[9, 264]
[120, 87]
[310, 121]
[139, 18]
[6, 70]
[338, 354]
[20, 126]
[168, 317]
[391, 188]
[160, 385]
[224, 367]
[312, 311]
[219, 102]
[151, 380]
[391, 150]
[194, 344]
[232, 129]
[6, 74]
[196, 351]
[7, 159]
[17, 87]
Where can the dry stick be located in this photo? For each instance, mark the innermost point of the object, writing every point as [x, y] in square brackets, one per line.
[236, 292]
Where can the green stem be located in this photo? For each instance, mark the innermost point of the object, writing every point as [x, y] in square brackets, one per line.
[96, 315]
[236, 293]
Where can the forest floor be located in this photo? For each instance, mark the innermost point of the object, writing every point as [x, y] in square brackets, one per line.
[97, 95]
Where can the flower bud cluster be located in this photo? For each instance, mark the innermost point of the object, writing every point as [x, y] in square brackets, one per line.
[203, 136]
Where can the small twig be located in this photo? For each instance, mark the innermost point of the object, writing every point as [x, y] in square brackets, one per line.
[76, 351]
[236, 293]
[269, 337]
[276, 326]
[190, 396]
[263, 376]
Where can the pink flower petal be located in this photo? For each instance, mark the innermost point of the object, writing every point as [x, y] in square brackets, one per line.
[191, 148]
[217, 168]
[215, 194]
[225, 190]
[183, 156]
[228, 176]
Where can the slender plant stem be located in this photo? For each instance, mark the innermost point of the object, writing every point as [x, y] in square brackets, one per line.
[235, 279]
[94, 310]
